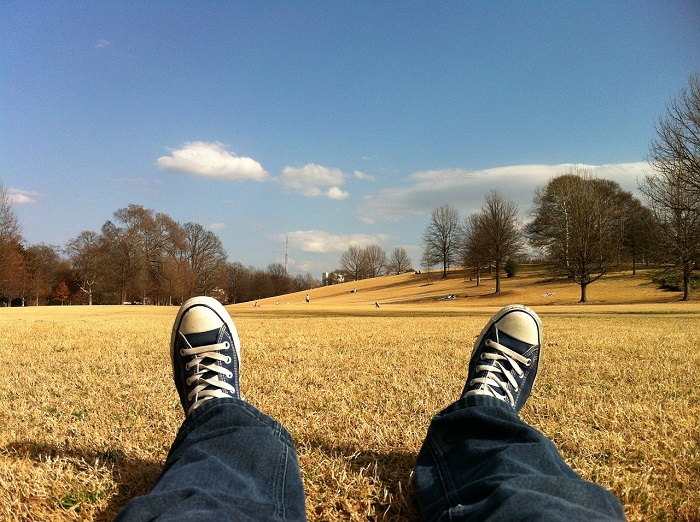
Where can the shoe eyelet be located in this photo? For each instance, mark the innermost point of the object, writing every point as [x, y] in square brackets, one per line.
[230, 375]
[182, 352]
[227, 344]
[482, 356]
[228, 360]
[528, 363]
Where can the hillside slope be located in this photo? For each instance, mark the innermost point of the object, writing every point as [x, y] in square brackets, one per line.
[533, 287]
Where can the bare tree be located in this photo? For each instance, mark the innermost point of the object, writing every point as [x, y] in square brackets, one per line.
[440, 239]
[473, 252]
[673, 191]
[279, 278]
[305, 282]
[14, 277]
[206, 256]
[10, 231]
[353, 262]
[576, 223]
[399, 262]
[641, 233]
[42, 267]
[85, 254]
[237, 276]
[375, 261]
[677, 208]
[675, 152]
[498, 228]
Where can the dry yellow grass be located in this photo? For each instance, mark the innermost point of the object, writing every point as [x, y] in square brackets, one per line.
[88, 409]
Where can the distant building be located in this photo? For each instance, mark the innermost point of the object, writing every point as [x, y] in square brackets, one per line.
[332, 278]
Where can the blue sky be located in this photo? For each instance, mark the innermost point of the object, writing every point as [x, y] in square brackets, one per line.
[325, 122]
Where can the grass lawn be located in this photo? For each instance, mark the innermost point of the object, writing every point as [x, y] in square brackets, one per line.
[88, 408]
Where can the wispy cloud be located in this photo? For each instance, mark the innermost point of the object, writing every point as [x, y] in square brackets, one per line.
[212, 160]
[361, 175]
[22, 197]
[466, 189]
[101, 44]
[320, 242]
[217, 226]
[313, 180]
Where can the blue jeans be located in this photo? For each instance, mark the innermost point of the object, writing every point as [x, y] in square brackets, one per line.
[479, 461]
[229, 461]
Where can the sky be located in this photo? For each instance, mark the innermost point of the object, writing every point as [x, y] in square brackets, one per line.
[298, 129]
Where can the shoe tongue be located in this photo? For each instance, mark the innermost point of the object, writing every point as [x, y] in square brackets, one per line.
[203, 338]
[512, 343]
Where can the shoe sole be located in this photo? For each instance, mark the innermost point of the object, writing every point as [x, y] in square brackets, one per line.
[498, 316]
[219, 310]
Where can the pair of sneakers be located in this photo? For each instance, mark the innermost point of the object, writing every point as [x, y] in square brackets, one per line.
[205, 353]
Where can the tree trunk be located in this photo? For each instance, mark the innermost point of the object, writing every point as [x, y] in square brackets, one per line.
[584, 297]
[498, 278]
[686, 286]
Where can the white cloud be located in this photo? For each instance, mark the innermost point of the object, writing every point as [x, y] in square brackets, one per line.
[22, 197]
[466, 189]
[311, 180]
[101, 44]
[320, 242]
[336, 193]
[212, 160]
[361, 175]
[217, 226]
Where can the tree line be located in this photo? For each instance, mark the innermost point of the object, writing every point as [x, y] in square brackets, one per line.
[139, 256]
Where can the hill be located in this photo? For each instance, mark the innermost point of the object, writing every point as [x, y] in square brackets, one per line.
[533, 286]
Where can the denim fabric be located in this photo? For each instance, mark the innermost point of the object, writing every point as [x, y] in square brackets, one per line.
[480, 461]
[229, 461]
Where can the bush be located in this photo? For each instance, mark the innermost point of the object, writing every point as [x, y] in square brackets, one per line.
[674, 281]
[512, 268]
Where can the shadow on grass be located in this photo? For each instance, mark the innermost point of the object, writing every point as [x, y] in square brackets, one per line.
[132, 476]
[393, 470]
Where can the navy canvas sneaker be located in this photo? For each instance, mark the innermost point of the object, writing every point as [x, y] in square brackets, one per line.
[205, 352]
[506, 356]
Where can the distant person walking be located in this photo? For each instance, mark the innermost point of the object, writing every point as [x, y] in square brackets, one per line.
[479, 460]
[308, 299]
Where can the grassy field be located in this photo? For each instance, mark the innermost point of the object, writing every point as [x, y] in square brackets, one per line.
[88, 409]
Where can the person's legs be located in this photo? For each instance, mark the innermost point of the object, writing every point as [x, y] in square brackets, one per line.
[229, 461]
[480, 461]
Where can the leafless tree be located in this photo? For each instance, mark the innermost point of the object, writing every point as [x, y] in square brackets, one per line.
[206, 256]
[440, 239]
[353, 262]
[85, 254]
[676, 206]
[673, 191]
[10, 231]
[576, 223]
[498, 227]
[43, 262]
[375, 261]
[473, 252]
[399, 262]
[279, 279]
[641, 233]
[675, 151]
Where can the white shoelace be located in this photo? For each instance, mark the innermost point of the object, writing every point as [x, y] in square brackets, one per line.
[212, 386]
[490, 383]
